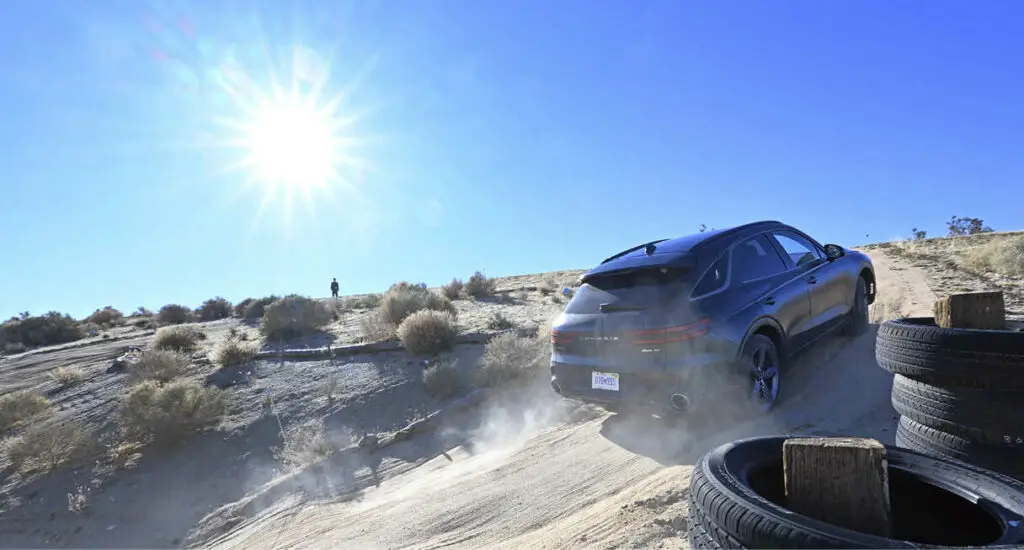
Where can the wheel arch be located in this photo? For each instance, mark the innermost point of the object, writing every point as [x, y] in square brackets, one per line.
[768, 327]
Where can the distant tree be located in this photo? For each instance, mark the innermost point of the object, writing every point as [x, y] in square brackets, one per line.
[962, 225]
[919, 234]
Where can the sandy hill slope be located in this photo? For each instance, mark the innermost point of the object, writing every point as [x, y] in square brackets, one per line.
[524, 469]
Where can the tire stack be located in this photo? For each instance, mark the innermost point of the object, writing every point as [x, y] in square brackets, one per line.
[959, 392]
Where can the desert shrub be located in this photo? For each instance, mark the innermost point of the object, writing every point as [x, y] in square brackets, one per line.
[306, 444]
[963, 225]
[107, 317]
[428, 332]
[21, 406]
[143, 322]
[1004, 256]
[158, 365]
[42, 330]
[184, 338]
[66, 376]
[214, 308]
[498, 321]
[142, 312]
[919, 234]
[453, 290]
[14, 347]
[479, 286]
[240, 307]
[293, 317]
[509, 357]
[257, 308]
[235, 351]
[442, 379]
[366, 301]
[547, 287]
[174, 314]
[49, 445]
[404, 299]
[376, 327]
[165, 414]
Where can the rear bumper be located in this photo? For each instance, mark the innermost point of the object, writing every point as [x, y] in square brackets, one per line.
[637, 391]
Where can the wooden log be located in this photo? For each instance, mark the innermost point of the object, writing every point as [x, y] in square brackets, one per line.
[977, 310]
[841, 481]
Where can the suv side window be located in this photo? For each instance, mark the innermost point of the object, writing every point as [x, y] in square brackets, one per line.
[799, 249]
[755, 258]
[715, 278]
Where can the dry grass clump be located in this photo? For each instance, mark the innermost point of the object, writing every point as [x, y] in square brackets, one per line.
[376, 327]
[256, 308]
[403, 299]
[1001, 255]
[106, 317]
[183, 338]
[428, 332]
[215, 308]
[49, 445]
[479, 286]
[366, 301]
[66, 377]
[498, 321]
[442, 379]
[21, 406]
[508, 357]
[235, 351]
[306, 444]
[453, 290]
[165, 414]
[294, 317]
[158, 365]
[174, 314]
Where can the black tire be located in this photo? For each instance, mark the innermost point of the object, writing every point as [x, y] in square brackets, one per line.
[979, 415]
[760, 349]
[1005, 460]
[735, 487]
[857, 321]
[969, 358]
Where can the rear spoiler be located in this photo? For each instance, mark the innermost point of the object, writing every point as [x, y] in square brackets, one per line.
[679, 260]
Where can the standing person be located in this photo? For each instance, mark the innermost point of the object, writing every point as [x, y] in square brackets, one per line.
[334, 288]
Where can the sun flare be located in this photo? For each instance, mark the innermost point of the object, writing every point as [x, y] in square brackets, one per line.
[292, 145]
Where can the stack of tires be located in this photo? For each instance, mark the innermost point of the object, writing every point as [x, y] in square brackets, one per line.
[959, 392]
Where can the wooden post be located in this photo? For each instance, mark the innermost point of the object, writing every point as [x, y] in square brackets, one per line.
[841, 481]
[978, 310]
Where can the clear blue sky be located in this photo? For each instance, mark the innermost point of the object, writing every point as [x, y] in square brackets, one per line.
[507, 137]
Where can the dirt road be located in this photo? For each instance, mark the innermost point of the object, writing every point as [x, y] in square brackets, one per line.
[608, 482]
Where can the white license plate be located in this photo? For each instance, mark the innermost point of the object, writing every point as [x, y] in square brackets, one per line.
[605, 381]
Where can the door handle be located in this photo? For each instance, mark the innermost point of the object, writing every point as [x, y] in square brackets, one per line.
[812, 279]
[769, 301]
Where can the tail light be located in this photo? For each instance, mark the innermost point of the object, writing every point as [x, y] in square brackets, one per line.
[680, 333]
[561, 337]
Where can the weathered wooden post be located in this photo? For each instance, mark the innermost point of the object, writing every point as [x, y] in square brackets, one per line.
[841, 481]
[978, 310]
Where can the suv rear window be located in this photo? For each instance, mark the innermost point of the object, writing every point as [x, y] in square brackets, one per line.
[647, 288]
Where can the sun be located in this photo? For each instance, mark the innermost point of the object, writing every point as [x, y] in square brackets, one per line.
[291, 144]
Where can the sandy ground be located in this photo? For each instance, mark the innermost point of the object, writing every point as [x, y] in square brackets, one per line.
[611, 482]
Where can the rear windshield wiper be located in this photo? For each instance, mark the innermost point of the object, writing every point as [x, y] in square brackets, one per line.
[605, 308]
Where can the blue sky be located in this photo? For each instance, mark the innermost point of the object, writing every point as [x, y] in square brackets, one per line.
[506, 137]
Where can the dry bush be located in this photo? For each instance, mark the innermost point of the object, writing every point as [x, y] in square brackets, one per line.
[509, 357]
[158, 365]
[306, 444]
[235, 351]
[21, 406]
[293, 317]
[428, 332]
[66, 376]
[239, 310]
[183, 338]
[143, 323]
[404, 299]
[1004, 256]
[498, 321]
[14, 347]
[376, 327]
[107, 317]
[547, 287]
[442, 379]
[257, 308]
[40, 330]
[453, 290]
[479, 286]
[214, 309]
[166, 414]
[174, 314]
[366, 301]
[47, 446]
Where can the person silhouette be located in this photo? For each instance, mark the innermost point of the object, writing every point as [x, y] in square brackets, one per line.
[334, 288]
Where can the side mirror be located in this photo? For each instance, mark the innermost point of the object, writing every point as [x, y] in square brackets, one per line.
[834, 252]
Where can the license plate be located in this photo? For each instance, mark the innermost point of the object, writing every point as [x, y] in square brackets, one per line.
[605, 381]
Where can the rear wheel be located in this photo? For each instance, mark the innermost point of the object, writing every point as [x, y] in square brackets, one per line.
[761, 360]
[857, 322]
